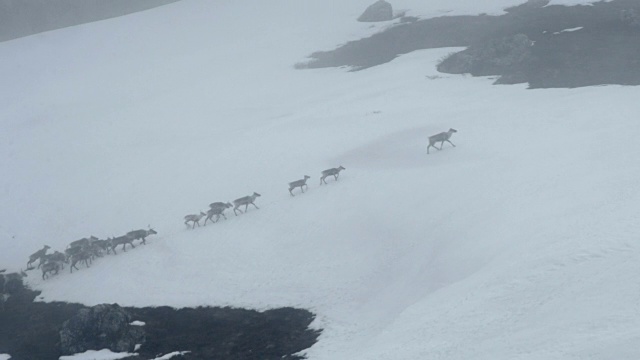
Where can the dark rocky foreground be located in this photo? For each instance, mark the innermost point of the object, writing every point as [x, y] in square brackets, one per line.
[43, 331]
[525, 45]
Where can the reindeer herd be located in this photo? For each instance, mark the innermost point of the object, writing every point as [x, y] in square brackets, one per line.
[217, 208]
[85, 250]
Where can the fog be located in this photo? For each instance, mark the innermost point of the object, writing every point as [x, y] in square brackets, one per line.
[518, 243]
[20, 18]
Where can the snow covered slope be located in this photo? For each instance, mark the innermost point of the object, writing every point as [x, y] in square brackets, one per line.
[519, 243]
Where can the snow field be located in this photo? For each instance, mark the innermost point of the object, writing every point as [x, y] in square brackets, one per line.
[516, 244]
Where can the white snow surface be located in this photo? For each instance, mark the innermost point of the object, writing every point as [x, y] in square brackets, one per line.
[435, 8]
[569, 30]
[5, 356]
[171, 355]
[519, 243]
[104, 354]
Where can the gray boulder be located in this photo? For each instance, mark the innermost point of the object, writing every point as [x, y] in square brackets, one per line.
[99, 327]
[378, 11]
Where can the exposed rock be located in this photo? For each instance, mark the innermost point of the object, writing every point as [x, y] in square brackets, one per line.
[227, 333]
[102, 326]
[36, 330]
[605, 50]
[630, 18]
[11, 283]
[505, 56]
[378, 11]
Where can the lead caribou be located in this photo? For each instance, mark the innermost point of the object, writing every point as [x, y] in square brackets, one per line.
[441, 138]
[335, 172]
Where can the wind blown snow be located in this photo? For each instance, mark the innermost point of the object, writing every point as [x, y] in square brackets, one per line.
[520, 242]
[569, 30]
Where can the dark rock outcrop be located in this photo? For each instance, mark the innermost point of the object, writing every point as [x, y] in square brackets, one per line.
[630, 17]
[572, 46]
[505, 56]
[100, 327]
[33, 330]
[227, 333]
[10, 284]
[378, 11]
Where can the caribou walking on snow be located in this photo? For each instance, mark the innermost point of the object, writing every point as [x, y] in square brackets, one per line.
[195, 219]
[299, 183]
[441, 138]
[246, 200]
[121, 240]
[335, 172]
[141, 234]
[51, 267]
[37, 255]
[217, 209]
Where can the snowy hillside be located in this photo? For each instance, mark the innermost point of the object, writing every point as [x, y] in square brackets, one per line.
[519, 243]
